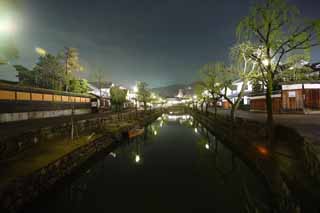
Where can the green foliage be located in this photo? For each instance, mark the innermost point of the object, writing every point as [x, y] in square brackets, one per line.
[71, 63]
[276, 28]
[257, 87]
[118, 97]
[71, 60]
[214, 77]
[244, 66]
[199, 90]
[294, 71]
[26, 77]
[49, 73]
[79, 86]
[143, 94]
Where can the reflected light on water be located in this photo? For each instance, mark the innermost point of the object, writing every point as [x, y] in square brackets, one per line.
[113, 154]
[180, 117]
[207, 146]
[137, 159]
[262, 150]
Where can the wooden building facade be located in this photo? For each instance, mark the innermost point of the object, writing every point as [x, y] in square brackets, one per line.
[24, 103]
[258, 103]
[301, 97]
[294, 98]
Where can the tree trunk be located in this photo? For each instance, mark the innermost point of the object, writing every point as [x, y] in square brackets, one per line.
[206, 108]
[144, 106]
[215, 109]
[270, 124]
[136, 109]
[201, 105]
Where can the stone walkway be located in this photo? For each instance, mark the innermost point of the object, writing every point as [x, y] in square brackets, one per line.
[308, 125]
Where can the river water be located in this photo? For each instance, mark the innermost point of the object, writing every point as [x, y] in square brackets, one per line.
[176, 166]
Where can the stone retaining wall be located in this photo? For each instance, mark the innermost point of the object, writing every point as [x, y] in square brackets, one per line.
[24, 189]
[242, 141]
[12, 145]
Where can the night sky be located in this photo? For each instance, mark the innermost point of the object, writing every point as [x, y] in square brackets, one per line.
[161, 42]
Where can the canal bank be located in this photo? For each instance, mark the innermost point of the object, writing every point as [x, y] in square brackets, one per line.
[37, 169]
[290, 170]
[173, 167]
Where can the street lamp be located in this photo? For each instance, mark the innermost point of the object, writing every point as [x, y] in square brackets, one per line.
[40, 51]
[266, 62]
[135, 89]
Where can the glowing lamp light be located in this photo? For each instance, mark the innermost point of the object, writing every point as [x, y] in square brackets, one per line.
[7, 25]
[265, 62]
[155, 132]
[262, 150]
[135, 89]
[137, 159]
[196, 130]
[40, 51]
[207, 146]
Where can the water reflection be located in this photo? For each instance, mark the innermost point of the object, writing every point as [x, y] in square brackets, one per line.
[176, 165]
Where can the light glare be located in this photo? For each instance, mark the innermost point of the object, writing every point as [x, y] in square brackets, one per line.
[7, 25]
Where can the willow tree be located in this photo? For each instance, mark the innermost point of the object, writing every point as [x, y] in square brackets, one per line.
[211, 75]
[277, 28]
[243, 67]
[294, 70]
[200, 91]
[118, 98]
[143, 94]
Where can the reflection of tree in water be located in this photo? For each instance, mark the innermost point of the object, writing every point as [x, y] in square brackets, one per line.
[222, 163]
[211, 155]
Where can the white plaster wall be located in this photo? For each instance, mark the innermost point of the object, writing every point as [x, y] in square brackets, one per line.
[20, 116]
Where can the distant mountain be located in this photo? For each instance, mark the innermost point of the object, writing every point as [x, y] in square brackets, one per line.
[173, 90]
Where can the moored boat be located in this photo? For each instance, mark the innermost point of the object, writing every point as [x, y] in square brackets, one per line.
[135, 132]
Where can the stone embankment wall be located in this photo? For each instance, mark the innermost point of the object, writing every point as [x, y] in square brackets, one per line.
[12, 144]
[247, 139]
[22, 190]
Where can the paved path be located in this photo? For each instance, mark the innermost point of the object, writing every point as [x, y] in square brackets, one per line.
[308, 125]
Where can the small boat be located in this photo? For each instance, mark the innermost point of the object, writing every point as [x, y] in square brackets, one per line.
[135, 132]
